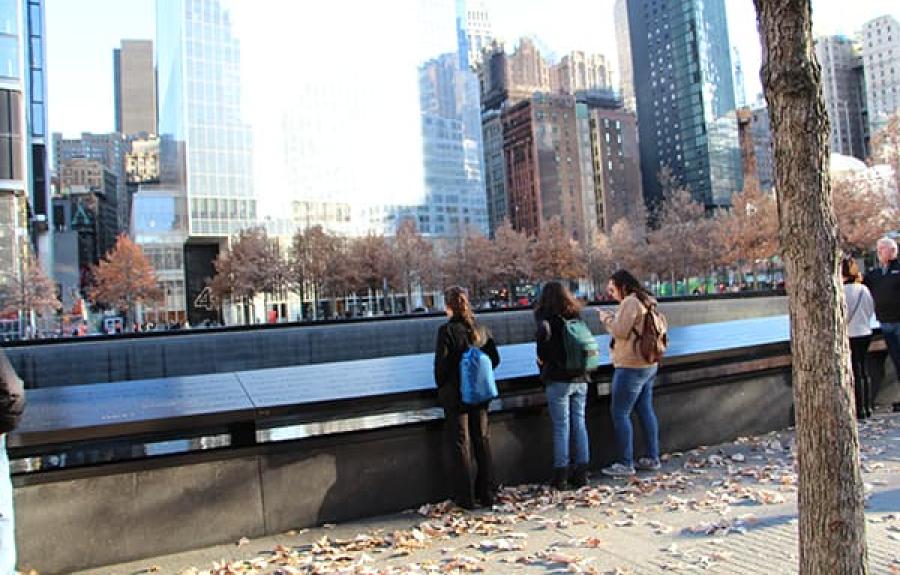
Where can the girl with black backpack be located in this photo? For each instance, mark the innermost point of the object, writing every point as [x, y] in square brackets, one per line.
[465, 426]
[566, 389]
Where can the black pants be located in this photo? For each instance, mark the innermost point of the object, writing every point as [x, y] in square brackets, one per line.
[859, 347]
[468, 438]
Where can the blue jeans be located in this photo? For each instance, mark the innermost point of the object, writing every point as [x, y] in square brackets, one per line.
[632, 388]
[7, 530]
[566, 402]
[891, 332]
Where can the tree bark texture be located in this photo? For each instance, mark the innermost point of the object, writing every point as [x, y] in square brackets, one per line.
[832, 521]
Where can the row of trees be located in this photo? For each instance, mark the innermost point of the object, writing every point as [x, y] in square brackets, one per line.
[121, 280]
[683, 242]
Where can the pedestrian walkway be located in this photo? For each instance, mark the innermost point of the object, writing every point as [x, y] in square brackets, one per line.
[727, 509]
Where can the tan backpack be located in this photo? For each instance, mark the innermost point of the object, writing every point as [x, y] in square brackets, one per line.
[653, 339]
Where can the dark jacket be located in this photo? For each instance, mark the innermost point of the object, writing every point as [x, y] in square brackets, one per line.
[551, 351]
[453, 340]
[12, 396]
[885, 290]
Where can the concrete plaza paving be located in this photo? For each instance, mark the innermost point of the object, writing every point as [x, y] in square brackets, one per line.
[726, 509]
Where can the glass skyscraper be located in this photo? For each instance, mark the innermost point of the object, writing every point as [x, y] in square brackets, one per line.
[206, 192]
[206, 146]
[455, 198]
[684, 89]
[24, 186]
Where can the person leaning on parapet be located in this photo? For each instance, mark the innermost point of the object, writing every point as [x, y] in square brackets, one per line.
[884, 282]
[860, 308]
[633, 376]
[12, 404]
[566, 390]
[465, 426]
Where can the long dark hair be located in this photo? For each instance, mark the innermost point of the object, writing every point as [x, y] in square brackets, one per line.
[850, 271]
[556, 300]
[628, 284]
[457, 300]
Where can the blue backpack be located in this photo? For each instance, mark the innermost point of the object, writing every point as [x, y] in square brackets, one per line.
[476, 377]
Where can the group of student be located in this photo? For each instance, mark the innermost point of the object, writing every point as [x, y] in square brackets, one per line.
[466, 424]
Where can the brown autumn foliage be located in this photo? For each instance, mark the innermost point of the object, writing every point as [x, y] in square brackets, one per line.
[472, 263]
[554, 255]
[672, 249]
[371, 263]
[600, 260]
[749, 232]
[414, 258]
[511, 257]
[863, 213]
[246, 268]
[628, 242]
[35, 292]
[317, 264]
[124, 277]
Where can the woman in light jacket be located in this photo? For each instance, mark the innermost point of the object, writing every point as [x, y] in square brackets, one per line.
[633, 376]
[860, 307]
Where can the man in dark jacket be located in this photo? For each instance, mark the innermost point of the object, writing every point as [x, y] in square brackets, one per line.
[884, 283]
[12, 404]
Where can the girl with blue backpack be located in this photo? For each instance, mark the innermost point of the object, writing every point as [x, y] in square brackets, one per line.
[565, 376]
[459, 342]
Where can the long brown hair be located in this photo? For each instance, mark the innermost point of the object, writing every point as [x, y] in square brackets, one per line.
[628, 284]
[457, 300]
[556, 300]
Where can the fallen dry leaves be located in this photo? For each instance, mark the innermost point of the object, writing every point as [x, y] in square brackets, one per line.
[713, 481]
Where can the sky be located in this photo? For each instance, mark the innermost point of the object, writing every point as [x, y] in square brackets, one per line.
[81, 35]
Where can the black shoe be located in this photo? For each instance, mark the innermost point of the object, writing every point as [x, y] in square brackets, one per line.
[487, 499]
[560, 478]
[896, 407]
[466, 504]
[579, 476]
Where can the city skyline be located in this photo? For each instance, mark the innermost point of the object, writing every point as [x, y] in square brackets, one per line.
[91, 108]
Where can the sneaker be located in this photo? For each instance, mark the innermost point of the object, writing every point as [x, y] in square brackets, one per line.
[618, 470]
[647, 464]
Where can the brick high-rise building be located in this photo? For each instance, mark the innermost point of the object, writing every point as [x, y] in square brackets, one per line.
[617, 165]
[512, 77]
[578, 71]
[547, 150]
[134, 79]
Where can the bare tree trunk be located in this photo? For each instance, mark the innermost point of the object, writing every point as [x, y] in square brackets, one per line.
[832, 520]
